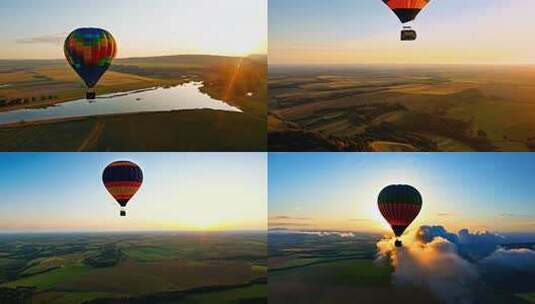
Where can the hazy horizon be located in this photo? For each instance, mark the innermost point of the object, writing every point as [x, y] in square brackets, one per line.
[417, 64]
[368, 32]
[139, 57]
[63, 232]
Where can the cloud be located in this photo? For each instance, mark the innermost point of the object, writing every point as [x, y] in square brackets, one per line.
[486, 237]
[427, 234]
[56, 39]
[289, 224]
[331, 233]
[340, 234]
[278, 229]
[284, 221]
[516, 215]
[451, 265]
[285, 217]
[463, 237]
[430, 261]
[515, 259]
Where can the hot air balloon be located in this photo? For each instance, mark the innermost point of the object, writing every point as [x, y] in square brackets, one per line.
[399, 205]
[407, 10]
[90, 52]
[122, 179]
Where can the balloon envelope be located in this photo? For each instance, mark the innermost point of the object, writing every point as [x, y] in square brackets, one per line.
[122, 179]
[399, 205]
[406, 10]
[90, 52]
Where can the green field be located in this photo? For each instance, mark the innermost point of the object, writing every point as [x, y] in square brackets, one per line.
[321, 269]
[150, 267]
[195, 130]
[254, 293]
[530, 297]
[314, 269]
[402, 108]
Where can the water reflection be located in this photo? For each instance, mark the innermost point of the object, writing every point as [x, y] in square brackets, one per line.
[182, 97]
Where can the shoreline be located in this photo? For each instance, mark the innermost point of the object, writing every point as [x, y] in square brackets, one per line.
[105, 96]
[119, 92]
[104, 116]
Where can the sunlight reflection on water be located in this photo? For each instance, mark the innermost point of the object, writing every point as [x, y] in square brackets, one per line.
[182, 97]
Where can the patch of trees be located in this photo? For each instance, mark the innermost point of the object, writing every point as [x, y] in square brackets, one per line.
[360, 115]
[107, 257]
[291, 101]
[531, 143]
[175, 296]
[152, 72]
[366, 113]
[19, 295]
[289, 141]
[26, 100]
[392, 133]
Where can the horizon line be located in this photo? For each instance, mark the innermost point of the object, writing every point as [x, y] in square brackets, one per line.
[141, 57]
[128, 231]
[403, 63]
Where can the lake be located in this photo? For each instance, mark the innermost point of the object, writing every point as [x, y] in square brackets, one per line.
[182, 97]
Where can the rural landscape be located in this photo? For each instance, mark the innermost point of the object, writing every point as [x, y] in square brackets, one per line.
[402, 108]
[133, 77]
[345, 80]
[90, 228]
[100, 268]
[239, 82]
[449, 228]
[334, 267]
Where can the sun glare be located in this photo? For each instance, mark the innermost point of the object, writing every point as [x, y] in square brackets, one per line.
[234, 46]
[202, 223]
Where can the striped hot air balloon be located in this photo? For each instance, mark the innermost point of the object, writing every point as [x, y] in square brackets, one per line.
[122, 179]
[399, 205]
[407, 10]
[90, 52]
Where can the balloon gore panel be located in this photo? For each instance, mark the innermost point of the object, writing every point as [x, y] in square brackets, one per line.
[122, 179]
[399, 205]
[90, 52]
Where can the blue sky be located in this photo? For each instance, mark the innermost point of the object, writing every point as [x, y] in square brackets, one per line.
[181, 191]
[366, 31]
[35, 28]
[480, 191]
[228, 191]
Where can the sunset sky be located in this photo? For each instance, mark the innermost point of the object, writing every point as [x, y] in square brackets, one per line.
[338, 191]
[366, 31]
[36, 29]
[181, 191]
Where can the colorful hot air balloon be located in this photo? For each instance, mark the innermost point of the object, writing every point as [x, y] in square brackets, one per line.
[399, 205]
[90, 52]
[122, 179]
[407, 10]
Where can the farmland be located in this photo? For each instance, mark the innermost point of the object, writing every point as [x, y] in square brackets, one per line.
[402, 108]
[331, 267]
[239, 82]
[143, 267]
